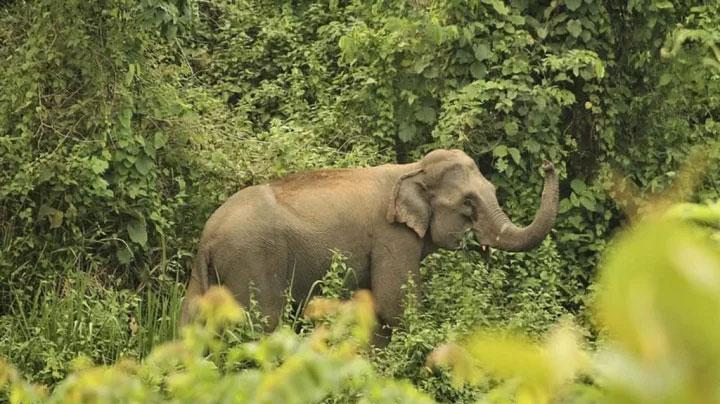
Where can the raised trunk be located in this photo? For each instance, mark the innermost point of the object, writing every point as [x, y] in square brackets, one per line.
[510, 237]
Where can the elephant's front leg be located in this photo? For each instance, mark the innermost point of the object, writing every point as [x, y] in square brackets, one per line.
[395, 260]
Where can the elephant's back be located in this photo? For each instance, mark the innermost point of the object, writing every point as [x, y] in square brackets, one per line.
[293, 239]
[248, 210]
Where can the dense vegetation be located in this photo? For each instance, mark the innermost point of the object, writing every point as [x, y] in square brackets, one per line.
[123, 124]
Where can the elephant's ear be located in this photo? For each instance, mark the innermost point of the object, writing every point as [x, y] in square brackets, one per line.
[410, 204]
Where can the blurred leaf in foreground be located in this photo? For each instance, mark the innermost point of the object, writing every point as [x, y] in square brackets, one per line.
[534, 372]
[660, 302]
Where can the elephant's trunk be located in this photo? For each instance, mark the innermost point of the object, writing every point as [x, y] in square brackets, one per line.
[510, 237]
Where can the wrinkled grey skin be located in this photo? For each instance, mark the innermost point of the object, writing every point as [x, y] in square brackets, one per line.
[384, 219]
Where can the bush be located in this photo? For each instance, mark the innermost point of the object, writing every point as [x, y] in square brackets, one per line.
[656, 302]
[283, 366]
[461, 292]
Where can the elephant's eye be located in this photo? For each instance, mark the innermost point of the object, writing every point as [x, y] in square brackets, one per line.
[468, 209]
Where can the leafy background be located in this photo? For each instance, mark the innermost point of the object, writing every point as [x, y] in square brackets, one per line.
[123, 124]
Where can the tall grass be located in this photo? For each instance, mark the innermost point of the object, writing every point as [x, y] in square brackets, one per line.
[157, 317]
[78, 315]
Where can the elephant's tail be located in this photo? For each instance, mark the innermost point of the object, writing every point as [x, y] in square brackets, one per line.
[197, 286]
[200, 270]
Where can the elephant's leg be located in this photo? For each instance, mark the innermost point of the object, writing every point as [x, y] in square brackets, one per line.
[273, 299]
[395, 260]
[189, 304]
[262, 286]
[259, 273]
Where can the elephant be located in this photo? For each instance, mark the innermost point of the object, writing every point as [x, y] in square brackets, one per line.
[384, 219]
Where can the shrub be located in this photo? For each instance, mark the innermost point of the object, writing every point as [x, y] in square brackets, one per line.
[461, 292]
[656, 302]
[284, 367]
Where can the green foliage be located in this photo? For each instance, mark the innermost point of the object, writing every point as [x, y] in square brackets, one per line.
[658, 345]
[87, 126]
[285, 367]
[461, 292]
[702, 30]
[278, 64]
[79, 315]
[339, 279]
[124, 124]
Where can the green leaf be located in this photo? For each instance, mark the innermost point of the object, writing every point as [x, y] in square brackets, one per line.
[97, 165]
[420, 65]
[663, 5]
[45, 210]
[500, 151]
[407, 132]
[56, 219]
[144, 164]
[588, 203]
[517, 19]
[578, 186]
[574, 27]
[426, 115]
[138, 232]
[574, 200]
[665, 79]
[511, 128]
[44, 173]
[498, 5]
[125, 118]
[55, 216]
[565, 206]
[501, 165]
[482, 52]
[599, 70]
[130, 75]
[542, 32]
[431, 72]
[478, 70]
[573, 5]
[515, 154]
[507, 356]
[124, 255]
[160, 139]
[532, 146]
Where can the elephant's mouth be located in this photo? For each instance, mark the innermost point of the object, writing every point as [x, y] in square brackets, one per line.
[471, 242]
[482, 249]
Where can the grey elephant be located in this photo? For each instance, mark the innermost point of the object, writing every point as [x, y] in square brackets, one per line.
[385, 219]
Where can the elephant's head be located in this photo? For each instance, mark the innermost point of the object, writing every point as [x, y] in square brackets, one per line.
[448, 196]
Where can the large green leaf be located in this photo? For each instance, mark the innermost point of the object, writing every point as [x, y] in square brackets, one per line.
[574, 27]
[573, 5]
[137, 231]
